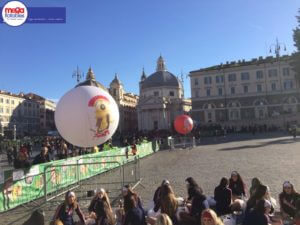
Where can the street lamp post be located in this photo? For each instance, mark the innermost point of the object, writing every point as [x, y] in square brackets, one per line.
[225, 93]
[77, 74]
[15, 132]
[276, 48]
[1, 127]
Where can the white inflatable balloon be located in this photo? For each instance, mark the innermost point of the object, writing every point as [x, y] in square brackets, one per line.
[86, 116]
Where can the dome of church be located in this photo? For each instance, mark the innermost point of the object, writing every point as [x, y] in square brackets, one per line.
[90, 80]
[116, 80]
[161, 77]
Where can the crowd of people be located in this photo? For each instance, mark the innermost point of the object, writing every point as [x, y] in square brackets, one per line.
[55, 148]
[231, 204]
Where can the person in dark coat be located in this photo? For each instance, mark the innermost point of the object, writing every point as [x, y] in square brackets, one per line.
[100, 209]
[190, 185]
[258, 216]
[22, 161]
[157, 195]
[254, 185]
[287, 199]
[259, 194]
[237, 185]
[127, 192]
[223, 197]
[198, 204]
[133, 213]
[43, 157]
[9, 154]
[64, 211]
[36, 218]
[168, 202]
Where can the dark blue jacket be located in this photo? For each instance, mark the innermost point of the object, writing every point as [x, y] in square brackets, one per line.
[256, 218]
[135, 216]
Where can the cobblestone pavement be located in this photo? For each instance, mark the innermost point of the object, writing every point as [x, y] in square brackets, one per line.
[272, 159]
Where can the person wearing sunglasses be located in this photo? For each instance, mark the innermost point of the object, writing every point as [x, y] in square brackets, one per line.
[287, 199]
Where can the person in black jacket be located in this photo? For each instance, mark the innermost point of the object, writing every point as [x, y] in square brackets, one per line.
[22, 161]
[237, 185]
[198, 204]
[259, 194]
[43, 157]
[287, 199]
[36, 218]
[157, 195]
[191, 183]
[223, 197]
[65, 211]
[133, 214]
[100, 209]
[258, 215]
[127, 192]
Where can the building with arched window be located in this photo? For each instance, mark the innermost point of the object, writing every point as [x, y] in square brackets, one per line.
[260, 91]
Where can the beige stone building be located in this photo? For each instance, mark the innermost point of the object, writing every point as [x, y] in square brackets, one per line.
[47, 110]
[161, 99]
[19, 111]
[127, 103]
[260, 91]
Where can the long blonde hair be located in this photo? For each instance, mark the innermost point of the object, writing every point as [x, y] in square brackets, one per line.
[168, 201]
[215, 218]
[163, 219]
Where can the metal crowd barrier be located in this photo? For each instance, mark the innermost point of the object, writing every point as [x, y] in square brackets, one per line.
[39, 184]
[85, 177]
[182, 142]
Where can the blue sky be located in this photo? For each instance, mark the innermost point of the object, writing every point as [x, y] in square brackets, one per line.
[123, 36]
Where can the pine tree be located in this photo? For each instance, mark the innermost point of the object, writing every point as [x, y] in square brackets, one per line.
[296, 55]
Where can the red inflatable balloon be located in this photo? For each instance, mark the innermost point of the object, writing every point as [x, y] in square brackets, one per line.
[183, 124]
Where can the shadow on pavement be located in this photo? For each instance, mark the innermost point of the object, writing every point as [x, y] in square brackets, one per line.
[263, 144]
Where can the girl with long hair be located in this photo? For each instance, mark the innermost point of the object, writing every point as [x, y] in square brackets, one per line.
[260, 194]
[127, 192]
[254, 185]
[198, 204]
[237, 185]
[287, 200]
[192, 184]
[209, 217]
[126, 204]
[100, 209]
[223, 197]
[133, 215]
[163, 219]
[157, 195]
[64, 212]
[258, 216]
[168, 203]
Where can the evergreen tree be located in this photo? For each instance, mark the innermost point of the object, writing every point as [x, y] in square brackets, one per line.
[296, 55]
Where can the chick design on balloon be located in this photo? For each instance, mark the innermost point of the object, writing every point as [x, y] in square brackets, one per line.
[102, 111]
[87, 115]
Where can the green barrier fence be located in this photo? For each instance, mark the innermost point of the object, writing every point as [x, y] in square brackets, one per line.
[20, 186]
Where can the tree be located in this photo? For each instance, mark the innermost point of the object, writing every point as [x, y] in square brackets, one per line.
[296, 55]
